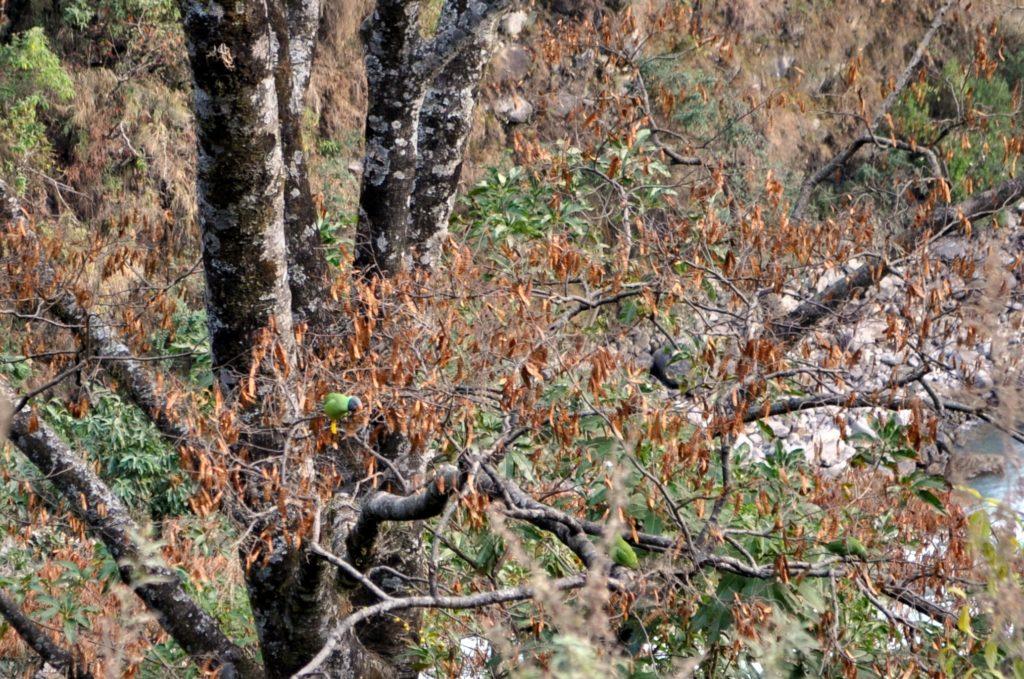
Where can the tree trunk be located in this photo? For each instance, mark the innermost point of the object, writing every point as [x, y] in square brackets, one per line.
[264, 270]
[240, 182]
[391, 35]
[421, 100]
[445, 122]
[234, 52]
[295, 26]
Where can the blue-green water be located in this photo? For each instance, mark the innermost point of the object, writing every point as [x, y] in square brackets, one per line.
[1009, 486]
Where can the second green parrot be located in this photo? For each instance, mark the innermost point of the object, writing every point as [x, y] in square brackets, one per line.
[623, 554]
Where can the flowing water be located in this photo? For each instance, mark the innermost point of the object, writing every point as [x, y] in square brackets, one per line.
[1009, 486]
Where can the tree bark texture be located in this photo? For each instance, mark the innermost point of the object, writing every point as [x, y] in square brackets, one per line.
[391, 34]
[445, 122]
[421, 99]
[240, 178]
[295, 25]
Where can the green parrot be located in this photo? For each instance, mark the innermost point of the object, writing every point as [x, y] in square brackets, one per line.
[848, 547]
[623, 554]
[338, 405]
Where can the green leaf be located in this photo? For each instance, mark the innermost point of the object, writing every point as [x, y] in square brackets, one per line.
[963, 623]
[847, 547]
[930, 497]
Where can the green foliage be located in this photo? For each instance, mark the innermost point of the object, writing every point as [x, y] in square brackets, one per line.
[333, 234]
[512, 204]
[925, 110]
[141, 468]
[515, 205]
[15, 368]
[31, 80]
[59, 604]
[119, 16]
[223, 596]
[189, 342]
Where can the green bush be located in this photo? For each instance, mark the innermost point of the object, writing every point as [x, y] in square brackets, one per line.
[133, 457]
[117, 15]
[31, 80]
[977, 160]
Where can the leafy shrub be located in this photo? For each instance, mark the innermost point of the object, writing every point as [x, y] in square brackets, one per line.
[117, 15]
[189, 343]
[515, 204]
[976, 159]
[141, 468]
[31, 80]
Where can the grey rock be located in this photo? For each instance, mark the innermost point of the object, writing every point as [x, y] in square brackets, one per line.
[966, 466]
[511, 64]
[513, 23]
[783, 65]
[514, 109]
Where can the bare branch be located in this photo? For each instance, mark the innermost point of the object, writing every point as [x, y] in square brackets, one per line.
[800, 403]
[796, 323]
[480, 600]
[918, 603]
[383, 506]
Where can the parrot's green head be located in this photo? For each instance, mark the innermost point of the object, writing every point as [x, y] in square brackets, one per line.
[338, 405]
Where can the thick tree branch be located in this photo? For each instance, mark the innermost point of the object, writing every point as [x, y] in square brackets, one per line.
[108, 519]
[791, 327]
[464, 25]
[520, 505]
[421, 99]
[392, 37]
[382, 507]
[980, 205]
[35, 636]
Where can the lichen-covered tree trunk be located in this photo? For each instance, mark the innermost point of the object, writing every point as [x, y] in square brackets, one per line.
[295, 26]
[445, 122]
[419, 114]
[422, 94]
[241, 177]
[391, 35]
[264, 271]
